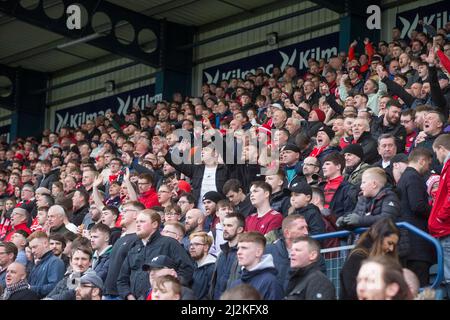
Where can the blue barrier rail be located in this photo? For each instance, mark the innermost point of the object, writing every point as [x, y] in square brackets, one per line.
[404, 225]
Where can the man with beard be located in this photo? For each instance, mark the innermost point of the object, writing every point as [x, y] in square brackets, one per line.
[186, 202]
[390, 123]
[200, 243]
[407, 120]
[90, 287]
[210, 200]
[406, 70]
[227, 269]
[194, 223]
[311, 170]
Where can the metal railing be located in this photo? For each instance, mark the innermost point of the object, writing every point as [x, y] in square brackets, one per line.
[405, 225]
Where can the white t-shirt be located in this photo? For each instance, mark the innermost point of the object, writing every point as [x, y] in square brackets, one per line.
[208, 184]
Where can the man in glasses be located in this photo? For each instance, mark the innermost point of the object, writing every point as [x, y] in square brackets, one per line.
[311, 168]
[199, 245]
[407, 120]
[186, 202]
[90, 287]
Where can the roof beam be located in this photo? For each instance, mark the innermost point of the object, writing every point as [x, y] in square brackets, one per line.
[235, 6]
[109, 42]
[246, 15]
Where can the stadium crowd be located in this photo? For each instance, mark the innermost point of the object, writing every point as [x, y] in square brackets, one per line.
[124, 208]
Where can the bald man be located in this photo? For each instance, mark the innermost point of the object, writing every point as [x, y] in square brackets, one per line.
[17, 287]
[193, 223]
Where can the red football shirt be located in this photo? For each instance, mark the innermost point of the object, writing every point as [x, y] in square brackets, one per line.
[264, 224]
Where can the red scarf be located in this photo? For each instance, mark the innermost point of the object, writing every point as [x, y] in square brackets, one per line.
[316, 151]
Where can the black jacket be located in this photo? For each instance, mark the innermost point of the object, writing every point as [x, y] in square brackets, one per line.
[195, 172]
[384, 205]
[348, 276]
[281, 201]
[313, 218]
[118, 254]
[309, 283]
[25, 294]
[428, 144]
[225, 272]
[78, 216]
[282, 261]
[398, 131]
[370, 147]
[415, 209]
[133, 280]
[344, 199]
[245, 207]
[47, 180]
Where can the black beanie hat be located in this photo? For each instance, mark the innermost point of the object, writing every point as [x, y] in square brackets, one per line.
[355, 149]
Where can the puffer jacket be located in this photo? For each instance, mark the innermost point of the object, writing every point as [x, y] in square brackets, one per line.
[133, 280]
[281, 201]
[313, 218]
[384, 205]
[263, 278]
[344, 199]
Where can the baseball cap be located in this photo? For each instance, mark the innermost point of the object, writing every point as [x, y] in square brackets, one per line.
[291, 147]
[92, 278]
[277, 105]
[159, 262]
[301, 187]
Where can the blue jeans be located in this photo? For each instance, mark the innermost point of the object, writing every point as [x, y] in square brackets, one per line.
[445, 243]
[110, 297]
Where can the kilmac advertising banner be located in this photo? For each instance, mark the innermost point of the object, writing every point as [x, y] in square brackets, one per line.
[296, 55]
[119, 103]
[436, 14]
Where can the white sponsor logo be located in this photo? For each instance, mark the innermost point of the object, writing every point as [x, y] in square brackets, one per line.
[294, 58]
[437, 19]
[77, 119]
